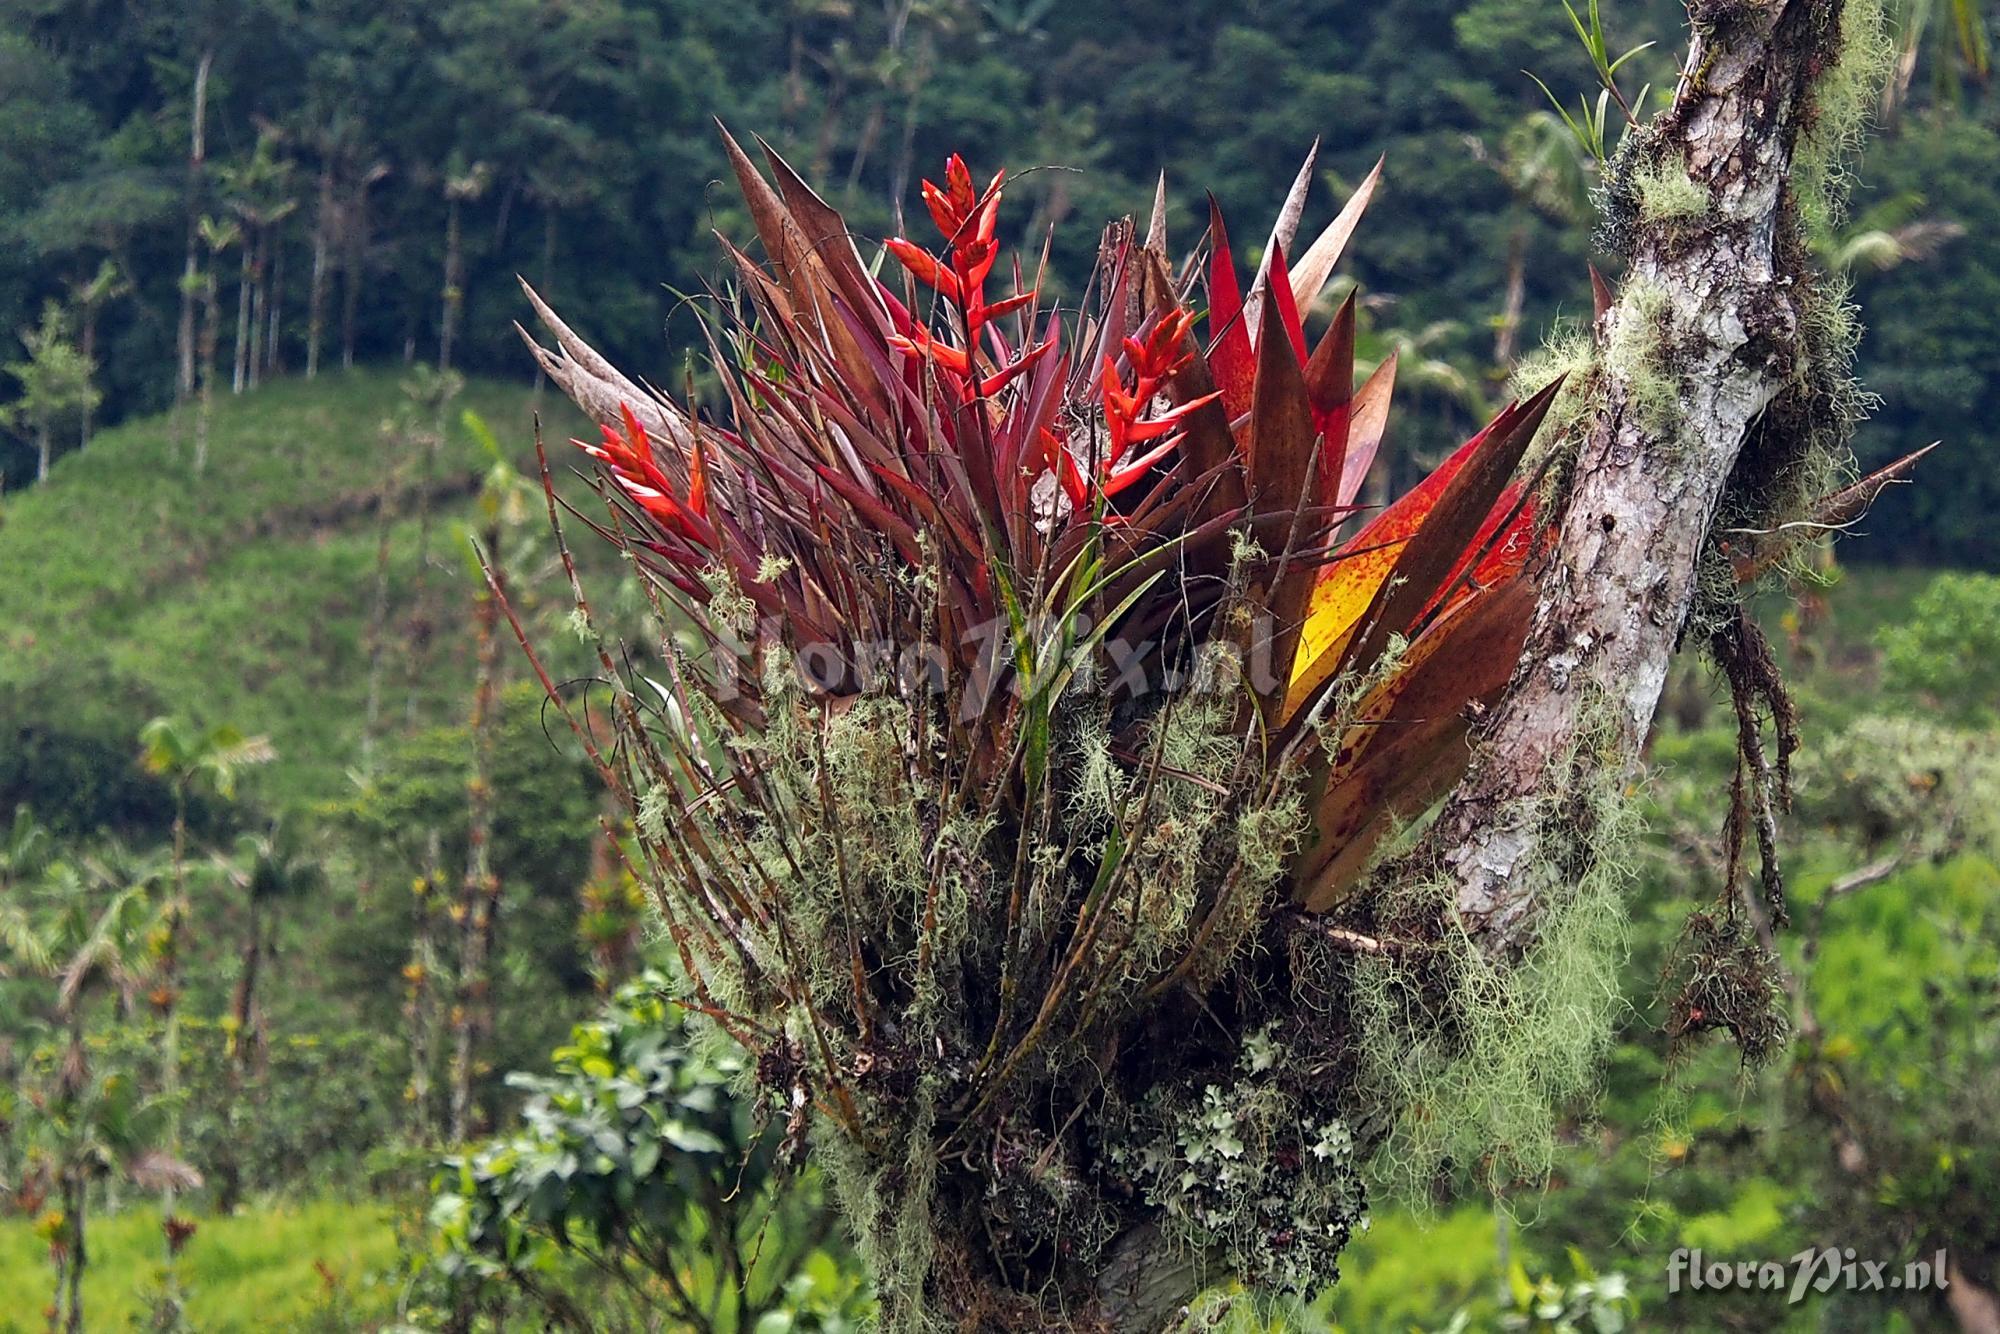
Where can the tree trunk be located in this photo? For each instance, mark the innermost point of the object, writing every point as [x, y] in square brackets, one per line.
[244, 1001]
[44, 439]
[479, 896]
[274, 293]
[190, 271]
[1618, 591]
[419, 1003]
[316, 292]
[211, 335]
[87, 344]
[241, 1008]
[547, 284]
[454, 279]
[351, 273]
[378, 622]
[1146, 1283]
[77, 1200]
[245, 283]
[170, 1045]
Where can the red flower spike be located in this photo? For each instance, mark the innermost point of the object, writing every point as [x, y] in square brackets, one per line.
[635, 434]
[1118, 479]
[924, 267]
[958, 178]
[922, 346]
[1000, 379]
[1070, 478]
[940, 210]
[989, 213]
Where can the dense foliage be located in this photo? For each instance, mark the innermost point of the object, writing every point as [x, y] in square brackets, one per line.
[638, 1160]
[376, 174]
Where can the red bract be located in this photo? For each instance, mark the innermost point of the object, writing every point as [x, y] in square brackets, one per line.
[865, 474]
[629, 457]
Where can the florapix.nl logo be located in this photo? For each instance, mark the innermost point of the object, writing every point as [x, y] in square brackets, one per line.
[1815, 1269]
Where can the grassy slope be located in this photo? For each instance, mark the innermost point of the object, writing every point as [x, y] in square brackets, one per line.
[243, 596]
[259, 1270]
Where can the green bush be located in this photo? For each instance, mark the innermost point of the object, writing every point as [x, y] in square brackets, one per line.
[1948, 652]
[639, 1186]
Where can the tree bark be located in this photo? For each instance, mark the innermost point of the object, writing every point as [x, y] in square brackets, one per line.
[197, 155]
[1616, 594]
[1145, 1283]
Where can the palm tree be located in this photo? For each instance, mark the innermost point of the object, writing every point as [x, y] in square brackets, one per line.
[218, 236]
[93, 1126]
[1962, 50]
[270, 869]
[1549, 173]
[1428, 374]
[1889, 233]
[190, 272]
[25, 849]
[462, 185]
[90, 296]
[260, 194]
[191, 760]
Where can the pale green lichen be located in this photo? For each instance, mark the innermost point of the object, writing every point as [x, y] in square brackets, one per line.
[1668, 195]
[1845, 98]
[1639, 353]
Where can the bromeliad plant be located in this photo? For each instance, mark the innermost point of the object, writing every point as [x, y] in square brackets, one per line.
[1027, 677]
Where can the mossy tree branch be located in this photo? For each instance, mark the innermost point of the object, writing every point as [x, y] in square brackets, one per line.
[1729, 294]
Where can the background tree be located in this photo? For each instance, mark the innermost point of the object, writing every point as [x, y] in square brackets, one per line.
[192, 760]
[259, 192]
[93, 1126]
[216, 237]
[89, 297]
[56, 385]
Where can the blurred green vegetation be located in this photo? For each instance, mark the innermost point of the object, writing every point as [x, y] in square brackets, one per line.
[281, 1265]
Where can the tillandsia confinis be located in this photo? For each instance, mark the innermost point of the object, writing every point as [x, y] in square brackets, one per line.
[1025, 673]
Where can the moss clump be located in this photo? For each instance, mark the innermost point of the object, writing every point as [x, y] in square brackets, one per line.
[1668, 195]
[1571, 354]
[1640, 353]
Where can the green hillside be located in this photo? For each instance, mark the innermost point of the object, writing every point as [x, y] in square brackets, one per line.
[244, 595]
